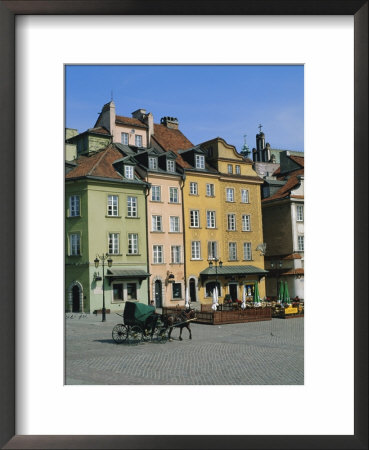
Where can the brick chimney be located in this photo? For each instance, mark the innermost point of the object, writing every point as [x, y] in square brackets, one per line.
[147, 119]
[170, 122]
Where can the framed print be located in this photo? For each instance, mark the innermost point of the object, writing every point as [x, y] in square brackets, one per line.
[40, 411]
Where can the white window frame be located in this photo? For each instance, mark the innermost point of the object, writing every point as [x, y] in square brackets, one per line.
[176, 253]
[171, 165]
[200, 161]
[112, 294]
[232, 251]
[194, 189]
[230, 194]
[173, 195]
[212, 250]
[129, 172]
[132, 206]
[74, 206]
[194, 218]
[231, 222]
[196, 250]
[153, 162]
[75, 244]
[158, 254]
[230, 168]
[247, 251]
[210, 191]
[245, 196]
[113, 244]
[300, 243]
[132, 243]
[156, 223]
[138, 140]
[113, 206]
[238, 169]
[157, 190]
[174, 226]
[246, 222]
[124, 137]
[299, 213]
[210, 219]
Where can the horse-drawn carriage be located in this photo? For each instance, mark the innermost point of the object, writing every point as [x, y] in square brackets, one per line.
[141, 323]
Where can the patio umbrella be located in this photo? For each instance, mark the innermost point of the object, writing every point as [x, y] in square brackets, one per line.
[286, 295]
[187, 299]
[281, 292]
[215, 299]
[256, 295]
[243, 305]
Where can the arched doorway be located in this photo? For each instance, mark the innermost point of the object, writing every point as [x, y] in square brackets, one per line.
[158, 293]
[76, 299]
[192, 290]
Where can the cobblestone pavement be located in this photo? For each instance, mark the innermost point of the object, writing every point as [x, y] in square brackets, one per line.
[258, 353]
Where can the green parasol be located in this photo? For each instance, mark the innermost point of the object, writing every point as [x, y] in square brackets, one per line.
[286, 295]
[256, 294]
[281, 291]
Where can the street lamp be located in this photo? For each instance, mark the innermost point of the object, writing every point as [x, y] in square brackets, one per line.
[110, 262]
[278, 267]
[217, 263]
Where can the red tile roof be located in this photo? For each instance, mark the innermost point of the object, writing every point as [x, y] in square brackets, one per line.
[99, 164]
[298, 160]
[172, 139]
[130, 121]
[99, 130]
[294, 272]
[285, 190]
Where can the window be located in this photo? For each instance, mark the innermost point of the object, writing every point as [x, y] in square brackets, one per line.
[131, 291]
[113, 205]
[171, 166]
[195, 250]
[199, 162]
[193, 188]
[118, 291]
[153, 163]
[138, 140]
[244, 196]
[155, 194]
[177, 290]
[230, 195]
[246, 222]
[128, 172]
[175, 254]
[209, 288]
[300, 243]
[174, 224]
[300, 213]
[195, 218]
[132, 244]
[212, 250]
[113, 243]
[230, 168]
[74, 206]
[232, 246]
[75, 244]
[156, 224]
[210, 190]
[231, 222]
[238, 170]
[124, 138]
[247, 251]
[132, 206]
[173, 195]
[158, 254]
[210, 219]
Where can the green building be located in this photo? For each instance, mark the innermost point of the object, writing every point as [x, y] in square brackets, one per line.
[105, 216]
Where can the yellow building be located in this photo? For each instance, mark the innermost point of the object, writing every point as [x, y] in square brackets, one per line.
[222, 223]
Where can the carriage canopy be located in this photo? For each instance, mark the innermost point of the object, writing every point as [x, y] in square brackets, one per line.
[137, 313]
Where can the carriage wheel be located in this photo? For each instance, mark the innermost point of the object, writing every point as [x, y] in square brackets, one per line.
[161, 335]
[146, 335]
[134, 335]
[119, 333]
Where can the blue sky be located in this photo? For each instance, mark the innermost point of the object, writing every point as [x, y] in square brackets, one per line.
[209, 101]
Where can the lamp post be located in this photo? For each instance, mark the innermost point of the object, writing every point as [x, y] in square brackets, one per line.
[217, 262]
[278, 267]
[110, 262]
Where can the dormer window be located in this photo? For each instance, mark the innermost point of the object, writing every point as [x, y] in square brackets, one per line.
[153, 163]
[138, 140]
[200, 162]
[171, 165]
[128, 172]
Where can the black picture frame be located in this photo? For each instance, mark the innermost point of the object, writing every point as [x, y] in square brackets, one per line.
[8, 11]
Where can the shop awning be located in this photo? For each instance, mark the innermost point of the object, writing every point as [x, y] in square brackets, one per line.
[121, 274]
[233, 270]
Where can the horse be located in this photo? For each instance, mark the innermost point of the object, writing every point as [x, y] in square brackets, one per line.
[180, 320]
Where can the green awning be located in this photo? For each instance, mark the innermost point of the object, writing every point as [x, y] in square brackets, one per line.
[116, 273]
[233, 270]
